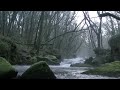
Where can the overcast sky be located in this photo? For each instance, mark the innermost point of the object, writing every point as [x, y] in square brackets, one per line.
[91, 13]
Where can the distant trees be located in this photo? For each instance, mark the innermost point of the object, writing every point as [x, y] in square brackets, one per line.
[43, 29]
[58, 29]
[94, 27]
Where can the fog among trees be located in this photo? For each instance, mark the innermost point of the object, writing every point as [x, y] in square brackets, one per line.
[59, 30]
[43, 38]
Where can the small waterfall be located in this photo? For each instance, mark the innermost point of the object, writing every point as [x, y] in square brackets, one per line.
[68, 62]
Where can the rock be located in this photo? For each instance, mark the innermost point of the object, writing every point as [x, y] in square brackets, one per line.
[58, 56]
[6, 69]
[55, 53]
[109, 69]
[89, 60]
[29, 61]
[46, 59]
[4, 49]
[80, 65]
[39, 70]
[51, 57]
[98, 60]
[7, 48]
[100, 51]
[74, 56]
[114, 43]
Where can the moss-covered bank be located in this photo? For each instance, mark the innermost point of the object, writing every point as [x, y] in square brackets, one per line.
[109, 69]
[6, 70]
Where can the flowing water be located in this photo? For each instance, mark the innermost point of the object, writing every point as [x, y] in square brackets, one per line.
[64, 71]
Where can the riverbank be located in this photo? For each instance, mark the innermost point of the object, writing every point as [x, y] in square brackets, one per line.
[66, 72]
[109, 69]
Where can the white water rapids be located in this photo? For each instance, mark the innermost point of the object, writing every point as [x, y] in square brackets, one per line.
[64, 71]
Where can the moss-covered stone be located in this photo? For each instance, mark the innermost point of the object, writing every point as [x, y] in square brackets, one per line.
[55, 53]
[101, 51]
[38, 70]
[8, 49]
[6, 69]
[47, 60]
[4, 49]
[108, 69]
[89, 60]
[30, 60]
[98, 60]
[51, 57]
[114, 41]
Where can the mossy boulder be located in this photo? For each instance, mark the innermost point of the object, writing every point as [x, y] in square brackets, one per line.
[89, 60]
[109, 69]
[33, 59]
[47, 60]
[101, 51]
[39, 70]
[97, 61]
[80, 65]
[51, 57]
[55, 53]
[6, 69]
[8, 49]
[24, 58]
[4, 49]
[114, 41]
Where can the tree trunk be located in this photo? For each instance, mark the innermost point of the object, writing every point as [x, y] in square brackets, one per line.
[40, 32]
[12, 21]
[3, 22]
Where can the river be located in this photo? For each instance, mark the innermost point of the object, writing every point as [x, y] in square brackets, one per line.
[64, 71]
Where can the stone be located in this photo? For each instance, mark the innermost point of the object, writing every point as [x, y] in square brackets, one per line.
[39, 70]
[6, 70]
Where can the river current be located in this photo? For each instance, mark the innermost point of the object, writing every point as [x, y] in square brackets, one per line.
[64, 71]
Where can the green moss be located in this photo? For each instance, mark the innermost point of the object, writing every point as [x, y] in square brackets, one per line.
[8, 49]
[51, 57]
[6, 69]
[31, 60]
[4, 49]
[101, 51]
[54, 52]
[4, 46]
[47, 60]
[108, 69]
[89, 60]
[6, 39]
[38, 70]
[114, 41]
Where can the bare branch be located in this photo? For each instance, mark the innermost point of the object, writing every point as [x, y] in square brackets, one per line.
[109, 14]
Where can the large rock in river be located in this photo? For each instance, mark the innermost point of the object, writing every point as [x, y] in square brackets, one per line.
[6, 70]
[39, 70]
[114, 43]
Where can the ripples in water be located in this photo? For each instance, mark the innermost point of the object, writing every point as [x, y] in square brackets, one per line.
[67, 72]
